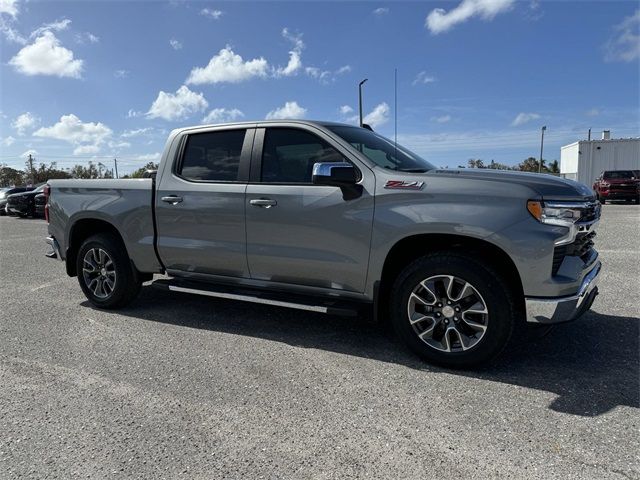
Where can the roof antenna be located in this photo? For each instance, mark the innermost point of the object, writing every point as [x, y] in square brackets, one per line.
[395, 112]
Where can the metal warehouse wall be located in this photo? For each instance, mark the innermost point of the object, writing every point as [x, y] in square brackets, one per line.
[583, 161]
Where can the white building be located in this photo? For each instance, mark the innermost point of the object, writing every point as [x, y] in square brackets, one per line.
[585, 159]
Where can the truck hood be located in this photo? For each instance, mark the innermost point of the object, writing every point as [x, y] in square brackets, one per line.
[547, 186]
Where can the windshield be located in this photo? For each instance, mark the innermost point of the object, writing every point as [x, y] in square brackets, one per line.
[382, 151]
[40, 188]
[619, 174]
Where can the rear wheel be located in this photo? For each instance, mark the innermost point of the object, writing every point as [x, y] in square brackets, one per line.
[453, 310]
[105, 273]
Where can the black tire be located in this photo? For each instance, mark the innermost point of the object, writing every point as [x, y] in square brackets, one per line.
[126, 282]
[601, 200]
[502, 320]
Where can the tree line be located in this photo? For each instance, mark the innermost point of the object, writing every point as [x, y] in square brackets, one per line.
[37, 174]
[530, 164]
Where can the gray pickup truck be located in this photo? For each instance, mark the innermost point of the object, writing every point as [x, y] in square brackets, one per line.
[334, 218]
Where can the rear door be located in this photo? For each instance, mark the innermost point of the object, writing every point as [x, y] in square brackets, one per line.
[300, 233]
[200, 208]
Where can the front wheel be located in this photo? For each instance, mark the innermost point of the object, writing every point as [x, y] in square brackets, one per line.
[453, 310]
[105, 273]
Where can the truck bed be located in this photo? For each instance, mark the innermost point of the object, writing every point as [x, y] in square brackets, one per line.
[125, 204]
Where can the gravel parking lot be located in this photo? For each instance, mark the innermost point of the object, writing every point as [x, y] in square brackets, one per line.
[179, 385]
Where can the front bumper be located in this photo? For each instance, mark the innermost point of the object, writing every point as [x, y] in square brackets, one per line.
[564, 309]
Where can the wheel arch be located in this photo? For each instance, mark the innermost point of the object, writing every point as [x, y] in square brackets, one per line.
[81, 230]
[409, 248]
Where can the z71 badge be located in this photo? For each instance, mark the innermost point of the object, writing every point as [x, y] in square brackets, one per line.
[403, 185]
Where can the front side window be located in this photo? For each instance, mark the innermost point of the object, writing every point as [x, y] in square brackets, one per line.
[288, 155]
[213, 156]
[382, 151]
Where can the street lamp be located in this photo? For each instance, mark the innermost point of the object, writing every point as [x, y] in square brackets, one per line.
[541, 147]
[360, 98]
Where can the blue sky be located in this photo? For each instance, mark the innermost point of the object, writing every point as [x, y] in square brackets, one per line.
[476, 78]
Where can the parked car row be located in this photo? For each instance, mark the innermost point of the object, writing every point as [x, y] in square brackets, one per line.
[22, 201]
[618, 185]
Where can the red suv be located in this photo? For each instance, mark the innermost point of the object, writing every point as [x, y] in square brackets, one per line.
[618, 185]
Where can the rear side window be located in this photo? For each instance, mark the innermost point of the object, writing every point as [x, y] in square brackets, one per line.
[289, 154]
[213, 156]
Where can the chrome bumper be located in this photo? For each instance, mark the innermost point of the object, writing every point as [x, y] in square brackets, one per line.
[55, 248]
[564, 309]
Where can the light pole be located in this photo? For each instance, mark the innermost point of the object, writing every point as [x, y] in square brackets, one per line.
[360, 98]
[541, 147]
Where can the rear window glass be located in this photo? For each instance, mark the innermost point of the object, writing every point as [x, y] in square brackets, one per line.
[213, 156]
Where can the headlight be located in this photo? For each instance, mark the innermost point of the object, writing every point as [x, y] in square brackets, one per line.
[556, 213]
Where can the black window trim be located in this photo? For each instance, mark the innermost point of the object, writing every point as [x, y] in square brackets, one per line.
[258, 146]
[245, 155]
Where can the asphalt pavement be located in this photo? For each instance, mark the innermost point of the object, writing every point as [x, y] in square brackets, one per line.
[190, 387]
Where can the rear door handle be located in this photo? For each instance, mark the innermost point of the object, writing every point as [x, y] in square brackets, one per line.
[263, 202]
[172, 199]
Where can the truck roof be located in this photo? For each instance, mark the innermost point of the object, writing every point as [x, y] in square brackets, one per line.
[319, 123]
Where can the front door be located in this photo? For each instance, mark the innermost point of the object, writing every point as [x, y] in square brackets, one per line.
[200, 205]
[297, 232]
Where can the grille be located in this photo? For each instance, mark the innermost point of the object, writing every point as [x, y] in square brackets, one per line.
[581, 247]
[591, 212]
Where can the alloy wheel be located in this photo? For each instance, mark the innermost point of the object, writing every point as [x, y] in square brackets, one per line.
[448, 313]
[99, 273]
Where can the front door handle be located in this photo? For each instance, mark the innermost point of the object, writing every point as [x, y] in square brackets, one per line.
[172, 199]
[263, 202]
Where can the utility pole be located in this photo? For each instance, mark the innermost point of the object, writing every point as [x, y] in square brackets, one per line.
[115, 162]
[541, 147]
[33, 179]
[589, 136]
[360, 98]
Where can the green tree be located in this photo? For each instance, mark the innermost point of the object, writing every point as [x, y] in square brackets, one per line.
[554, 167]
[531, 165]
[498, 166]
[141, 171]
[10, 176]
[45, 172]
[475, 163]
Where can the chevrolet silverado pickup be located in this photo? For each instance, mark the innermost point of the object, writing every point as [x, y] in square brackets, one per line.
[334, 218]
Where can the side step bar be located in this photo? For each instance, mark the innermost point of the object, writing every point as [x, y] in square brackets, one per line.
[276, 299]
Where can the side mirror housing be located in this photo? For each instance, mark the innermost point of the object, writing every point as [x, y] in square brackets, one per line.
[336, 174]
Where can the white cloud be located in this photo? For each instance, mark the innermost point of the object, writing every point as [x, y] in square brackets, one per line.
[46, 56]
[326, 76]
[624, 44]
[136, 133]
[10, 34]
[148, 157]
[211, 13]
[8, 141]
[523, 118]
[219, 115]
[345, 110]
[87, 137]
[119, 144]
[31, 151]
[57, 26]
[295, 54]
[10, 7]
[177, 106]
[229, 67]
[381, 11]
[423, 78]
[86, 37]
[378, 116]
[594, 112]
[175, 44]
[289, 110]
[121, 73]
[24, 122]
[442, 119]
[439, 20]
[86, 150]
[133, 113]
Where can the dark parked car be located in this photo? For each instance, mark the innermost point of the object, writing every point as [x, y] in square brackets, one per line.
[23, 204]
[617, 185]
[4, 194]
[41, 201]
